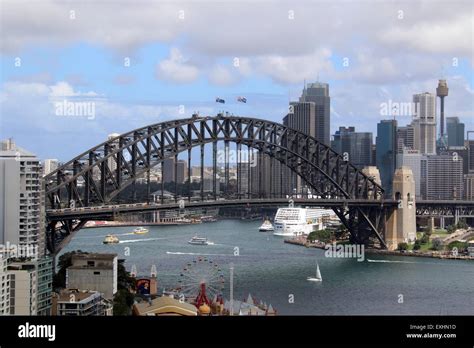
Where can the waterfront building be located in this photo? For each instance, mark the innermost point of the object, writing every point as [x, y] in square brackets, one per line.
[20, 197]
[356, 145]
[386, 143]
[97, 272]
[75, 302]
[455, 130]
[424, 122]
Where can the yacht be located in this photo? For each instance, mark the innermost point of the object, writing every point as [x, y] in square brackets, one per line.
[110, 239]
[198, 241]
[318, 277]
[266, 226]
[293, 221]
[140, 230]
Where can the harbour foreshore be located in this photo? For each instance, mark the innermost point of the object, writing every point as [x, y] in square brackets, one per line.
[432, 254]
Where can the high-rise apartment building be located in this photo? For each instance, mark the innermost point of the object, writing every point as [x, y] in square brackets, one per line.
[20, 197]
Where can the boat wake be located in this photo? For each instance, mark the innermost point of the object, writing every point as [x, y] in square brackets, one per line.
[139, 240]
[390, 261]
[196, 254]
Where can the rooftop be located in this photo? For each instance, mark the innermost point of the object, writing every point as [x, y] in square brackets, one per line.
[164, 305]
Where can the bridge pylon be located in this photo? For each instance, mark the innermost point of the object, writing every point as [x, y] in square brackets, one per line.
[401, 226]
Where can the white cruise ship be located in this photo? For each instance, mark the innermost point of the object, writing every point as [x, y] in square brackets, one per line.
[290, 222]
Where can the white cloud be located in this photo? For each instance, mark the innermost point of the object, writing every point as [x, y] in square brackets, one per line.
[221, 76]
[176, 68]
[295, 69]
[446, 35]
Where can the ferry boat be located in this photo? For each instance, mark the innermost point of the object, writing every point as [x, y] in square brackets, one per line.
[293, 221]
[110, 239]
[140, 230]
[199, 241]
[266, 226]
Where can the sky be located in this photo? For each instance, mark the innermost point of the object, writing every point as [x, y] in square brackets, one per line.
[143, 62]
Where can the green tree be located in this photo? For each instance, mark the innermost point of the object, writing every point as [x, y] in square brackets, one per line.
[417, 245]
[321, 235]
[124, 298]
[341, 232]
[402, 246]
[437, 244]
[451, 228]
[425, 239]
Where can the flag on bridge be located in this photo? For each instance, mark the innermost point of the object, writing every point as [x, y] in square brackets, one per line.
[242, 99]
[219, 100]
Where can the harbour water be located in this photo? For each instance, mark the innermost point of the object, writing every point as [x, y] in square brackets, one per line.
[276, 272]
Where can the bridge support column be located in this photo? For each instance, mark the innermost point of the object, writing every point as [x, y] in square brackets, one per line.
[401, 226]
[431, 224]
[456, 216]
[442, 222]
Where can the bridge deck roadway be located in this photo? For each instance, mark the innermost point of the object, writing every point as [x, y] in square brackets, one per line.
[107, 212]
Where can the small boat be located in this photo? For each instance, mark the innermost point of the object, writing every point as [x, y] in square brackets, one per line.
[266, 226]
[199, 241]
[318, 277]
[140, 230]
[110, 239]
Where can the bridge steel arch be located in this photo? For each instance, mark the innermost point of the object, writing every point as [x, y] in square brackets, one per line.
[98, 176]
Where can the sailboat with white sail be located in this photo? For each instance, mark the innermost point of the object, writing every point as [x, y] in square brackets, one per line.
[318, 277]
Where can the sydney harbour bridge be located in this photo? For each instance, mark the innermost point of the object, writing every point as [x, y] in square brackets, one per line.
[92, 185]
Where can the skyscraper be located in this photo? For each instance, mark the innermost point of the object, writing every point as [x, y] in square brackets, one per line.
[455, 131]
[181, 171]
[318, 93]
[406, 138]
[424, 122]
[357, 145]
[302, 117]
[168, 170]
[444, 178]
[386, 144]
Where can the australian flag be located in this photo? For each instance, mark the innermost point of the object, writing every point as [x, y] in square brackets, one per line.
[242, 99]
[219, 100]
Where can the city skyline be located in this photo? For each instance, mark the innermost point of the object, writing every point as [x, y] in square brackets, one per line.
[152, 76]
